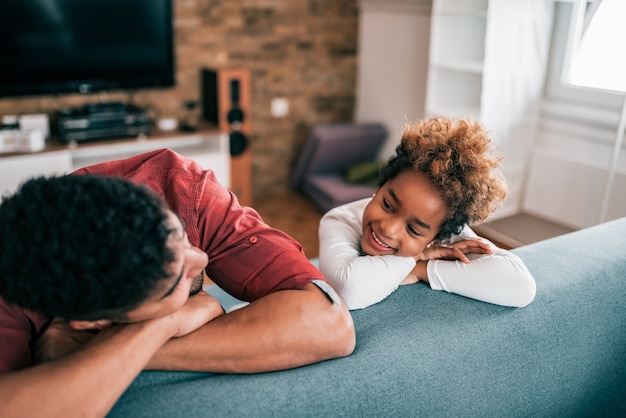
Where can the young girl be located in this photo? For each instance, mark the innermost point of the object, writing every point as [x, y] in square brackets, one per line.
[414, 228]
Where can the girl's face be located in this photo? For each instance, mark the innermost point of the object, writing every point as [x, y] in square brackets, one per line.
[403, 217]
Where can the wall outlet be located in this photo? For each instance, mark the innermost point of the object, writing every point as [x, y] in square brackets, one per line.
[280, 107]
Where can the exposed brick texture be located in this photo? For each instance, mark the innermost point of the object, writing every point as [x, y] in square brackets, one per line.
[301, 50]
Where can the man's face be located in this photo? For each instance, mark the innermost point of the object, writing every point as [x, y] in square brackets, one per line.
[403, 217]
[185, 278]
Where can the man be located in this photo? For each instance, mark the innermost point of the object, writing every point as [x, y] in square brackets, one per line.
[104, 254]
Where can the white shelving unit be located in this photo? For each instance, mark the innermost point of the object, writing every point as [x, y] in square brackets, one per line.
[457, 55]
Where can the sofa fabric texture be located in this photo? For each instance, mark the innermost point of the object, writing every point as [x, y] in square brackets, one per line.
[422, 353]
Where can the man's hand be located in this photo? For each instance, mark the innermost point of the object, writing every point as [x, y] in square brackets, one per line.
[199, 309]
[60, 339]
[456, 251]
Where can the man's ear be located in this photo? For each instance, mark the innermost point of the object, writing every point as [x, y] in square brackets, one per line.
[89, 325]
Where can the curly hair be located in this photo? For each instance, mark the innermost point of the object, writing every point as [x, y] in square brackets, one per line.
[82, 247]
[455, 155]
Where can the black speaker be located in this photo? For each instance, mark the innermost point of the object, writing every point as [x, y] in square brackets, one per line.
[209, 93]
[222, 104]
[226, 103]
[235, 114]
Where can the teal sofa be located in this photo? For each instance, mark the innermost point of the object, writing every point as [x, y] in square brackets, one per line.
[423, 353]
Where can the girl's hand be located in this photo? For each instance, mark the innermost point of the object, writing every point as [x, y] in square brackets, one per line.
[455, 251]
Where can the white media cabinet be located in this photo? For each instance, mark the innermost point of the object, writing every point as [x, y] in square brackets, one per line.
[208, 147]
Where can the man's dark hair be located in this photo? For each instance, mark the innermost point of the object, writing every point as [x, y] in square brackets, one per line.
[82, 247]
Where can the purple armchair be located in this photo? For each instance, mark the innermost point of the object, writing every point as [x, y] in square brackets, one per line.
[329, 152]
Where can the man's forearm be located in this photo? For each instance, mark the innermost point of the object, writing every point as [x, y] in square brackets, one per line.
[86, 382]
[283, 330]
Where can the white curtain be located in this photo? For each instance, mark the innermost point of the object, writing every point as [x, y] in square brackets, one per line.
[516, 59]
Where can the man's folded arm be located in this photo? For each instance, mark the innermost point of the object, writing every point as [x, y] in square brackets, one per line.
[88, 381]
[285, 329]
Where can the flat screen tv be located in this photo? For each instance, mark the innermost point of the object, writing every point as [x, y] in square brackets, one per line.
[84, 46]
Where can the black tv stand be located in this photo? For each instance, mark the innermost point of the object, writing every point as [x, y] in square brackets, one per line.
[99, 121]
[105, 107]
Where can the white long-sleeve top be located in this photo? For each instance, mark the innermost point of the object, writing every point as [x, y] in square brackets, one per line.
[361, 280]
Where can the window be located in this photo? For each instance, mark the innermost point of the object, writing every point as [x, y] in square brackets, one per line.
[598, 60]
[558, 86]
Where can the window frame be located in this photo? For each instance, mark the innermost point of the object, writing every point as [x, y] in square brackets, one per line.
[563, 44]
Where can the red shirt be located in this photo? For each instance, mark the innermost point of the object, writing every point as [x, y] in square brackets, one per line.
[19, 328]
[247, 258]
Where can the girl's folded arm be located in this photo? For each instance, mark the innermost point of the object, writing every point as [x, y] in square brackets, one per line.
[500, 278]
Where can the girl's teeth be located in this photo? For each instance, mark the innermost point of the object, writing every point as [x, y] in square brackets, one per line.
[379, 241]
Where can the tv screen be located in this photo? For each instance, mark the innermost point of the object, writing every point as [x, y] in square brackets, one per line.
[82, 46]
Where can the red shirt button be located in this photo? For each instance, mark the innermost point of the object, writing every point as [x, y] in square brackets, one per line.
[253, 239]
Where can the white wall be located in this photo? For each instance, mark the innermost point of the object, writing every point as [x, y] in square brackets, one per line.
[393, 64]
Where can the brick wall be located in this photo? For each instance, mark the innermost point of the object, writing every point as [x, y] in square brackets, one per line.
[301, 50]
